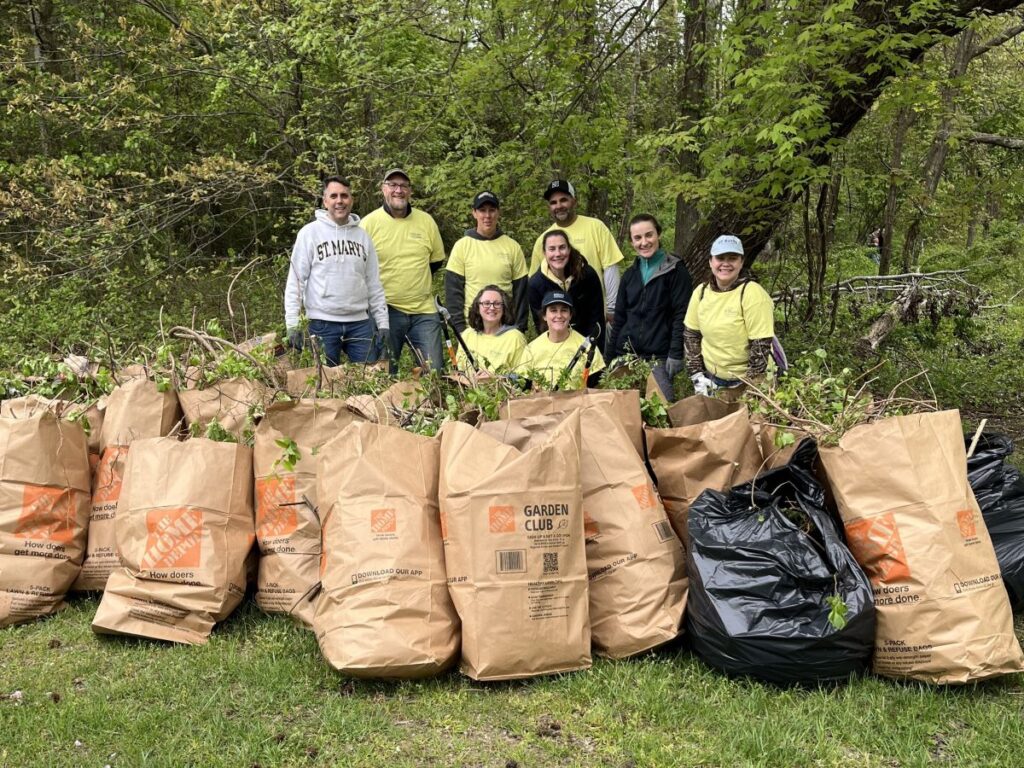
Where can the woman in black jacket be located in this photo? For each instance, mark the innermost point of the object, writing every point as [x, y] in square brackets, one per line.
[566, 269]
[649, 311]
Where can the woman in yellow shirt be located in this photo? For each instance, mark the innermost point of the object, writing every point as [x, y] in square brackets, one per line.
[497, 345]
[549, 354]
[728, 329]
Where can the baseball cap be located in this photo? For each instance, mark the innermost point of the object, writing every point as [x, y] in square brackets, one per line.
[556, 297]
[396, 172]
[559, 185]
[727, 244]
[484, 198]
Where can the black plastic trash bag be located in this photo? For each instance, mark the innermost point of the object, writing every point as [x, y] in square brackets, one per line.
[999, 489]
[760, 586]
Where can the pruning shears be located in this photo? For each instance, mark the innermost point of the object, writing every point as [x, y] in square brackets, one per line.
[449, 329]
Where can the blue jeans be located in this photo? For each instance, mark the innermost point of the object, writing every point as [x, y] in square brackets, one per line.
[355, 339]
[663, 379]
[423, 332]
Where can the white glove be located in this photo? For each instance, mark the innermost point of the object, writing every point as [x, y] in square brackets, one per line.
[702, 385]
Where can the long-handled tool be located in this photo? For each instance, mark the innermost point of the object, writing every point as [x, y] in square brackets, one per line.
[447, 318]
[584, 349]
[586, 366]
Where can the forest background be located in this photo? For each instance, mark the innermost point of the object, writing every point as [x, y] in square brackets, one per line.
[155, 154]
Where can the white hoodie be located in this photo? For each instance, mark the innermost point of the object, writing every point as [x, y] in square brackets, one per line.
[334, 274]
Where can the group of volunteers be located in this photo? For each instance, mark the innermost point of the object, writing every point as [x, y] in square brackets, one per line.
[365, 286]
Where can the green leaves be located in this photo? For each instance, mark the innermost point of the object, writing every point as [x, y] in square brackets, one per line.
[290, 454]
[837, 611]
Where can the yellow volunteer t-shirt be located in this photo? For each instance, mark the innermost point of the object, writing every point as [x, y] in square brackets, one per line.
[487, 262]
[727, 328]
[405, 249]
[500, 353]
[590, 237]
[546, 359]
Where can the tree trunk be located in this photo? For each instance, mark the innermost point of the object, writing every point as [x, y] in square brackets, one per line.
[904, 119]
[935, 162]
[692, 100]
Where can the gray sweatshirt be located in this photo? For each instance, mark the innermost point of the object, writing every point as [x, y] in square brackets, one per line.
[334, 274]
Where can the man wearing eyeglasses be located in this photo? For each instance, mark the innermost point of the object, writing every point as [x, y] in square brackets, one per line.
[485, 256]
[410, 250]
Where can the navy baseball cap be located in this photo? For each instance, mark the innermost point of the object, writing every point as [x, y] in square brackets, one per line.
[556, 297]
[484, 198]
[560, 185]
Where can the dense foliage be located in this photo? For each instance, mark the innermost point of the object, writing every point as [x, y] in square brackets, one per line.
[158, 157]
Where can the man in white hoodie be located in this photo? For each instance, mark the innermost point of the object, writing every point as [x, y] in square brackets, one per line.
[335, 276]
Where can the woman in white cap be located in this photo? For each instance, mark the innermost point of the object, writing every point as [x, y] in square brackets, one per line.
[548, 356]
[729, 325]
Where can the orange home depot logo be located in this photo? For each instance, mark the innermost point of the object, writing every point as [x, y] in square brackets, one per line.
[174, 538]
[590, 527]
[276, 514]
[644, 495]
[965, 521]
[383, 520]
[46, 513]
[877, 546]
[109, 476]
[502, 519]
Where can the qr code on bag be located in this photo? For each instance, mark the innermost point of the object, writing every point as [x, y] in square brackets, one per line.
[550, 562]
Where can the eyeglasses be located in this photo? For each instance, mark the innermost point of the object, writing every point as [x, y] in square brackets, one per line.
[491, 304]
[396, 185]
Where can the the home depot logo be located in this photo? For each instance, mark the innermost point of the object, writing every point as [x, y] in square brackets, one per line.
[965, 521]
[46, 514]
[383, 520]
[644, 495]
[502, 519]
[276, 514]
[109, 476]
[174, 538]
[877, 546]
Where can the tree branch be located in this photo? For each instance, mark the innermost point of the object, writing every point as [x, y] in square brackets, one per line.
[1009, 142]
[994, 42]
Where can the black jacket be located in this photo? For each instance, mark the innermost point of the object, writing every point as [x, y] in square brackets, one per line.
[587, 301]
[649, 318]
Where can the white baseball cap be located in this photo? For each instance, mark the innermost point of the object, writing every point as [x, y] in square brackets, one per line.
[727, 244]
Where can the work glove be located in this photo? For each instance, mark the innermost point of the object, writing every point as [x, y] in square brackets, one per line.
[702, 385]
[673, 366]
[295, 338]
[382, 340]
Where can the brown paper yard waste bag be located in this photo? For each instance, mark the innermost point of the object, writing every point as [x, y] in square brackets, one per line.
[227, 402]
[635, 561]
[914, 526]
[44, 510]
[715, 454]
[514, 550]
[135, 410]
[184, 528]
[29, 405]
[625, 404]
[384, 610]
[698, 409]
[287, 527]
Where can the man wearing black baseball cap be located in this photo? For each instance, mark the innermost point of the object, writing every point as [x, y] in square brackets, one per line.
[410, 250]
[587, 235]
[485, 256]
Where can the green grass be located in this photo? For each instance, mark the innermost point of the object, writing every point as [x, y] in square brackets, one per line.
[260, 694]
